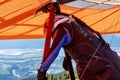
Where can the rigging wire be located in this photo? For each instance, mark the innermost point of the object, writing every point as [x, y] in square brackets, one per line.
[88, 64]
[117, 19]
[90, 60]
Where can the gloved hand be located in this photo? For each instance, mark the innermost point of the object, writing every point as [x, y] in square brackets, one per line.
[65, 65]
[41, 75]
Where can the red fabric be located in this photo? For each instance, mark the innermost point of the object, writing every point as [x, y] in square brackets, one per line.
[49, 32]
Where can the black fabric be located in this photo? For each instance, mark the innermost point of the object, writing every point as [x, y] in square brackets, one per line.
[105, 65]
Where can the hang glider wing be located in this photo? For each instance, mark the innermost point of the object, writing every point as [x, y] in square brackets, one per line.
[18, 19]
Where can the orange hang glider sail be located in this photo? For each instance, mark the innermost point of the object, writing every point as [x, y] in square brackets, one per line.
[18, 19]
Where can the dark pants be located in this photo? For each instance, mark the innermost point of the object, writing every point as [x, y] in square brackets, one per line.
[104, 66]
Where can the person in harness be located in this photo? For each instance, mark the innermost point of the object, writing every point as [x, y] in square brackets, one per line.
[94, 58]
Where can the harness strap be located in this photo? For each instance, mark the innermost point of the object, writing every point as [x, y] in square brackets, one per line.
[90, 60]
[102, 47]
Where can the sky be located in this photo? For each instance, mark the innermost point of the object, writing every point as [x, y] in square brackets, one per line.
[39, 43]
[114, 41]
[22, 44]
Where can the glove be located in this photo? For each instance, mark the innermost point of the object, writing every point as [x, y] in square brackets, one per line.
[41, 75]
[65, 65]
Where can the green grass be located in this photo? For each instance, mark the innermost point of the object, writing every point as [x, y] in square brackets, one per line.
[60, 76]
